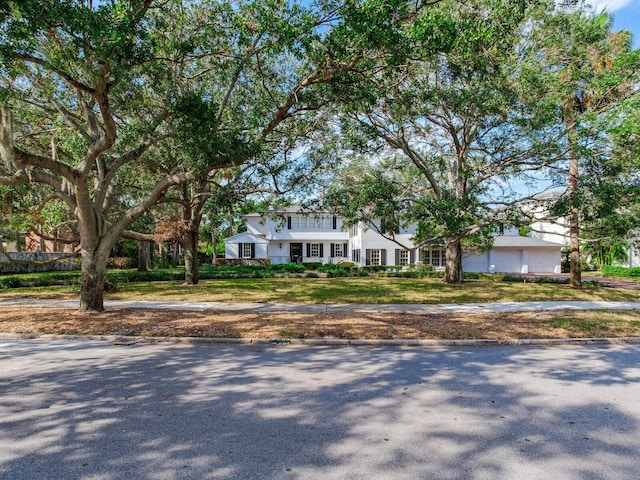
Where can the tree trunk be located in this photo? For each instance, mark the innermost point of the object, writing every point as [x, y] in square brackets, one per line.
[6, 137]
[191, 258]
[575, 273]
[214, 242]
[175, 254]
[453, 262]
[94, 268]
[143, 256]
[163, 255]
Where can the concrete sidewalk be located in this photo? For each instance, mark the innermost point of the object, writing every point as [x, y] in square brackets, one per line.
[330, 308]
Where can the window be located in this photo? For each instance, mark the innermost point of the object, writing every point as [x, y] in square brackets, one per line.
[310, 223]
[377, 256]
[247, 250]
[315, 250]
[433, 256]
[296, 223]
[338, 250]
[403, 257]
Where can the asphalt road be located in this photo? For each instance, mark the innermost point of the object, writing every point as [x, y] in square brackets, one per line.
[103, 412]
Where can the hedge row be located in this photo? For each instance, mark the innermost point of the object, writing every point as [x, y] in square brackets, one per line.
[611, 271]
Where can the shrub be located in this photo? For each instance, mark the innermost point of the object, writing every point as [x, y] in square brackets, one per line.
[519, 278]
[289, 267]
[110, 285]
[148, 276]
[611, 271]
[9, 282]
[311, 265]
[407, 274]
[346, 265]
[337, 272]
[312, 275]
[326, 267]
[119, 262]
[374, 268]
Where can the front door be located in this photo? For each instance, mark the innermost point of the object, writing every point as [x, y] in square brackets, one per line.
[295, 252]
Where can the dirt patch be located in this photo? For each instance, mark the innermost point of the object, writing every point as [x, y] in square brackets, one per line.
[446, 326]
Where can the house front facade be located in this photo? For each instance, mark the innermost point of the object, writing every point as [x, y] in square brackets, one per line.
[293, 235]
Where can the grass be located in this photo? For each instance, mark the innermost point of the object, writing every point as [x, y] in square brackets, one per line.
[343, 290]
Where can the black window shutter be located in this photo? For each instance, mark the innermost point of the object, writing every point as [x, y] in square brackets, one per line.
[333, 250]
[412, 257]
[289, 223]
[353, 256]
[240, 251]
[397, 256]
[345, 249]
[253, 250]
[368, 256]
[321, 250]
[335, 222]
[383, 256]
[308, 249]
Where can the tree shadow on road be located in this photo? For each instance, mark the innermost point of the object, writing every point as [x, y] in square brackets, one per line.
[249, 412]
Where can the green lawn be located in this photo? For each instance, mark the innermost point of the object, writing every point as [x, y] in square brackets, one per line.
[343, 290]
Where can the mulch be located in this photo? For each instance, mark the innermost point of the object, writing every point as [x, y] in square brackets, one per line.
[405, 325]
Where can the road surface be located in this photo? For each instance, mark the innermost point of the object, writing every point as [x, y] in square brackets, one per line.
[84, 410]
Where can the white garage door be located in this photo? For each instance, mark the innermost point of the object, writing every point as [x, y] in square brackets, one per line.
[507, 261]
[475, 263]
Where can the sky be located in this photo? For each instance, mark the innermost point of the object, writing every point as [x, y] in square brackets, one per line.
[626, 15]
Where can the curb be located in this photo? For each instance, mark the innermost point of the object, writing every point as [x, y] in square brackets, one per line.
[123, 340]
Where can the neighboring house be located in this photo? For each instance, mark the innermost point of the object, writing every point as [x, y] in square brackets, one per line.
[633, 254]
[35, 243]
[293, 235]
[32, 242]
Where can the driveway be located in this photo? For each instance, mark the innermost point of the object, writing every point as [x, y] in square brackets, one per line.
[74, 410]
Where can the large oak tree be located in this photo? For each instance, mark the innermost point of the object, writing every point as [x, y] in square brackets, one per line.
[454, 126]
[91, 91]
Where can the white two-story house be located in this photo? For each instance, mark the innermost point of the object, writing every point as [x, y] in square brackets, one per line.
[290, 235]
[294, 235]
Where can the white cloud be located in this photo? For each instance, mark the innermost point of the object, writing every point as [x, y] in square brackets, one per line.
[610, 5]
